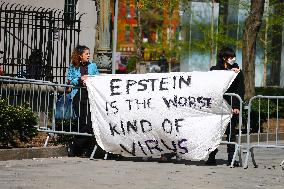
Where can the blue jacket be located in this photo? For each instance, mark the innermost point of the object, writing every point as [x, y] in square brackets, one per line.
[74, 74]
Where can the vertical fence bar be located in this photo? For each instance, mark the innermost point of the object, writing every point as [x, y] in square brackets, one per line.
[268, 122]
[277, 122]
[8, 32]
[258, 139]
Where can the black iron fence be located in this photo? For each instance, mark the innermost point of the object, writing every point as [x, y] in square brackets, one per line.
[36, 42]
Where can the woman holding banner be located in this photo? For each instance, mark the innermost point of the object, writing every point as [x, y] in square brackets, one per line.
[226, 61]
[79, 68]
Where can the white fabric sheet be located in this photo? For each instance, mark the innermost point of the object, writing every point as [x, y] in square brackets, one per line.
[151, 114]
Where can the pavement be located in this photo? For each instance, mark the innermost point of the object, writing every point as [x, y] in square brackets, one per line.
[77, 173]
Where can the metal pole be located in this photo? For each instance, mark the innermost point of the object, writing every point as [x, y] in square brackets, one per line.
[114, 37]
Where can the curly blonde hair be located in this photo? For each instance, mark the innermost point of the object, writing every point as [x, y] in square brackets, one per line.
[76, 55]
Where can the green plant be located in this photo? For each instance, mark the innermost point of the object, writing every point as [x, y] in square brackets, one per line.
[131, 64]
[273, 91]
[16, 124]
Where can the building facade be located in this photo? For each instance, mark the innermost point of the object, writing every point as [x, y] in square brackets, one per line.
[159, 27]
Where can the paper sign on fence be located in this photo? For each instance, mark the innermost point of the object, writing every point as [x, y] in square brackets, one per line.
[151, 114]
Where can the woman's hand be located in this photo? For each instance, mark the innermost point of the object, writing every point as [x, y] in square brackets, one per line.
[235, 111]
[236, 70]
[84, 78]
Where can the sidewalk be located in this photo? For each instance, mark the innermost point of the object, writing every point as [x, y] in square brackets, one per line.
[60, 151]
[74, 173]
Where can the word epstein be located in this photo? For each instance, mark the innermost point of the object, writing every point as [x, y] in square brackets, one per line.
[117, 87]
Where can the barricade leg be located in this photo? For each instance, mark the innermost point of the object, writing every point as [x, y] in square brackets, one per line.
[234, 156]
[234, 135]
[240, 156]
[252, 158]
[93, 152]
[46, 141]
[247, 157]
[250, 153]
[106, 154]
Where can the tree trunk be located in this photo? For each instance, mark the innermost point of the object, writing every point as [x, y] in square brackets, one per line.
[251, 29]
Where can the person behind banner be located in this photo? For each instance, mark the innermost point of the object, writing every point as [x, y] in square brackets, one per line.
[77, 75]
[163, 63]
[226, 61]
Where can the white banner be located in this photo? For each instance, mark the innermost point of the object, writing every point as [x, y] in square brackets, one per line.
[151, 114]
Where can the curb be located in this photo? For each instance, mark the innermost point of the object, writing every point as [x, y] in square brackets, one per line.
[30, 153]
[61, 151]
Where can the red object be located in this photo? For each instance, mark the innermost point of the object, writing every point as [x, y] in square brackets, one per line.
[122, 67]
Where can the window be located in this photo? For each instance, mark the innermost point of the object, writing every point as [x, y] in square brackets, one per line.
[70, 11]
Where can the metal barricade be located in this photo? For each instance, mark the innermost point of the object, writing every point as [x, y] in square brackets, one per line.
[235, 132]
[43, 98]
[269, 134]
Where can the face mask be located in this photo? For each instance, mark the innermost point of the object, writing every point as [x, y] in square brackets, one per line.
[231, 61]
